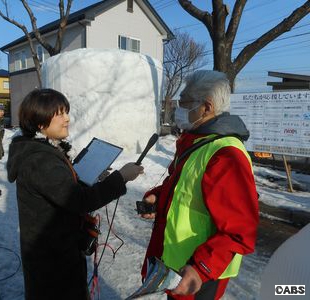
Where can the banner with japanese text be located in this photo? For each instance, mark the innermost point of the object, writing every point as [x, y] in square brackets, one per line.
[279, 122]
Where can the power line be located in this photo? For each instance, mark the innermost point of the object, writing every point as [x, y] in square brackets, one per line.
[279, 55]
[286, 46]
[247, 28]
[247, 41]
[258, 71]
[272, 50]
[157, 2]
[48, 2]
[43, 6]
[263, 51]
[260, 24]
[268, 2]
[167, 4]
[190, 25]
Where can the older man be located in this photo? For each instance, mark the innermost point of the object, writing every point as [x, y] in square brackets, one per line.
[207, 208]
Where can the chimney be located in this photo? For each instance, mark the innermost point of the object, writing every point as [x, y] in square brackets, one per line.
[130, 6]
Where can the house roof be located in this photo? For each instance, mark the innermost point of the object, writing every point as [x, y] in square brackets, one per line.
[4, 73]
[289, 76]
[289, 81]
[83, 14]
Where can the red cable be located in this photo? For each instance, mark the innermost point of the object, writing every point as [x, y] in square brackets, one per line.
[109, 246]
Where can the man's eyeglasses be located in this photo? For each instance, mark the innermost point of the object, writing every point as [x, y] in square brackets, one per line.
[187, 104]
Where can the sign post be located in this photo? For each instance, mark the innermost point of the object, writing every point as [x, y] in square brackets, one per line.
[288, 174]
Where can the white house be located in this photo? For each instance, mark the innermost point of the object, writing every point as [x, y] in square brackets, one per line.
[124, 24]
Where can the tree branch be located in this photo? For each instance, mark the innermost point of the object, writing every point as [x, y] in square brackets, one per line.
[250, 50]
[181, 56]
[234, 22]
[5, 3]
[219, 17]
[31, 45]
[35, 30]
[61, 9]
[203, 16]
[64, 15]
[61, 30]
[62, 25]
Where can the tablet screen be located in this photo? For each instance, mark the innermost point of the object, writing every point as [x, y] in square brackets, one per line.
[94, 159]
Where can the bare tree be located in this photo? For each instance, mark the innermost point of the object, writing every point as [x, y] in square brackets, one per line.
[36, 35]
[223, 40]
[182, 55]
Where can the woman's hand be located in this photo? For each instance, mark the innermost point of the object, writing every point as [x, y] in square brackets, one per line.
[131, 171]
[104, 175]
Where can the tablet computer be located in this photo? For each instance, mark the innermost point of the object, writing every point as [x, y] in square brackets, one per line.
[94, 159]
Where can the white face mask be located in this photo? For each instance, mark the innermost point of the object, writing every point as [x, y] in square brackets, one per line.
[181, 118]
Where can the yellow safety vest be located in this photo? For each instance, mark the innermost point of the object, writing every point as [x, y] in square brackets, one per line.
[188, 221]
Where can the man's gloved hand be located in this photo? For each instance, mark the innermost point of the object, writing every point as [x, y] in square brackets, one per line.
[190, 283]
[131, 171]
[151, 199]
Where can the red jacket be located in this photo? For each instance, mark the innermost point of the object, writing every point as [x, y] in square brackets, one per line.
[230, 196]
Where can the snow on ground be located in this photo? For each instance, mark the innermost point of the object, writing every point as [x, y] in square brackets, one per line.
[272, 187]
[119, 277]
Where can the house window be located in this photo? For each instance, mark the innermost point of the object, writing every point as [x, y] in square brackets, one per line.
[6, 85]
[40, 53]
[20, 60]
[129, 44]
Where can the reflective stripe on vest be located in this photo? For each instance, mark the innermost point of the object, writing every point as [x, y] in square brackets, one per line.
[188, 221]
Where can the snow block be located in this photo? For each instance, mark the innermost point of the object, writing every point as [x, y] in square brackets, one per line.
[114, 95]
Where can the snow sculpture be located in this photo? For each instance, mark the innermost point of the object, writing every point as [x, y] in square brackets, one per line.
[114, 95]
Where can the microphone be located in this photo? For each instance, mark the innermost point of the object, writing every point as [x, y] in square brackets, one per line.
[143, 207]
[153, 139]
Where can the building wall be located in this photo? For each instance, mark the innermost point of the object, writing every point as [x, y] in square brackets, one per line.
[101, 33]
[24, 81]
[3, 89]
[21, 84]
[74, 38]
[5, 99]
[105, 29]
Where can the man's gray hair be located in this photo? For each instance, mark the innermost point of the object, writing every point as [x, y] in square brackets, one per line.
[206, 83]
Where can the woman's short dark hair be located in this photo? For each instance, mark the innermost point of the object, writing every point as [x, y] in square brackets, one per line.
[38, 108]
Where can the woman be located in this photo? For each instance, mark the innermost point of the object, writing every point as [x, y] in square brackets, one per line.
[51, 200]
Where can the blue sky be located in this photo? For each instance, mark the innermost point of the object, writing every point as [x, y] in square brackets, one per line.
[289, 53]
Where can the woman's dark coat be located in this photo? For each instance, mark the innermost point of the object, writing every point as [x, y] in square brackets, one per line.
[50, 203]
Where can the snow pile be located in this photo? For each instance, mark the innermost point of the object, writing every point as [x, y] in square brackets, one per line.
[114, 95]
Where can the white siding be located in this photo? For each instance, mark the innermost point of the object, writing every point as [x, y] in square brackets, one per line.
[100, 33]
[73, 39]
[105, 29]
